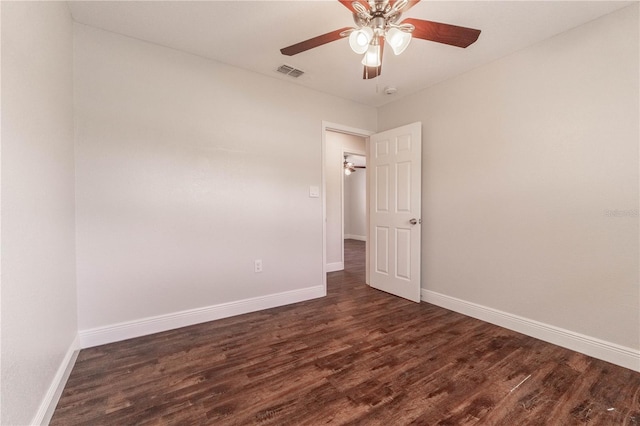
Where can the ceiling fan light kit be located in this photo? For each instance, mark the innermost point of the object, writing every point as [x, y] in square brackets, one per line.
[359, 39]
[372, 57]
[398, 40]
[377, 24]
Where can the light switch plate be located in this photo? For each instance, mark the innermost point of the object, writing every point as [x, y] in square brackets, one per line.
[314, 192]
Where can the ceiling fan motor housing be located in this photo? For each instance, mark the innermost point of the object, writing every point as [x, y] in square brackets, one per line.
[378, 5]
[379, 24]
[379, 16]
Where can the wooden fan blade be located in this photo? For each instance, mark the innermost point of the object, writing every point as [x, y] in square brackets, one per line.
[408, 6]
[443, 33]
[373, 72]
[294, 49]
[347, 4]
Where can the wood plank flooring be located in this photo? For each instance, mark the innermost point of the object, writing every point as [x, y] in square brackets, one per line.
[358, 356]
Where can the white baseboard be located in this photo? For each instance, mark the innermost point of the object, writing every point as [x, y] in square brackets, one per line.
[606, 351]
[51, 398]
[335, 266]
[150, 325]
[355, 237]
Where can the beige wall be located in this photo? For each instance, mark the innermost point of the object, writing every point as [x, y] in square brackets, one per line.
[522, 161]
[38, 250]
[188, 170]
[336, 145]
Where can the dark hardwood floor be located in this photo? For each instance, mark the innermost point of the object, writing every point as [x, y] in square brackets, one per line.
[357, 356]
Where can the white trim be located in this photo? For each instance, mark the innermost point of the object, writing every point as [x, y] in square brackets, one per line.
[144, 326]
[51, 398]
[367, 251]
[334, 127]
[323, 183]
[597, 348]
[355, 237]
[335, 266]
[341, 215]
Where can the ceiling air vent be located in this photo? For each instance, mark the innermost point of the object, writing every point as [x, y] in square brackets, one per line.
[290, 71]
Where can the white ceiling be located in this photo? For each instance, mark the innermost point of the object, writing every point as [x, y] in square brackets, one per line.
[249, 35]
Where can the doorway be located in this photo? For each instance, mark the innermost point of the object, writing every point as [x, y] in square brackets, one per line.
[354, 197]
[339, 141]
[341, 150]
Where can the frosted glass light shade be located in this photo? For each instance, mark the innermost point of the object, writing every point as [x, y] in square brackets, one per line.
[359, 40]
[372, 57]
[398, 40]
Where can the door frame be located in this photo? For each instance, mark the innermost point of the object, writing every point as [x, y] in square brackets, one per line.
[340, 128]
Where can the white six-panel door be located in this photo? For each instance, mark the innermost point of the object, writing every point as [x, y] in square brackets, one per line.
[395, 197]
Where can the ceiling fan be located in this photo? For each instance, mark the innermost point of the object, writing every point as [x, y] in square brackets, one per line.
[350, 167]
[377, 24]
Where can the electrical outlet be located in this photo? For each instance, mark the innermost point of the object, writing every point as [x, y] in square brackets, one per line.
[257, 266]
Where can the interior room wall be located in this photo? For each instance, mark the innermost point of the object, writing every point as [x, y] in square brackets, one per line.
[187, 171]
[336, 144]
[39, 312]
[530, 181]
[355, 205]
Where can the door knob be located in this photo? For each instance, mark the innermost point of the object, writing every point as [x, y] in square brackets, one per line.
[415, 221]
